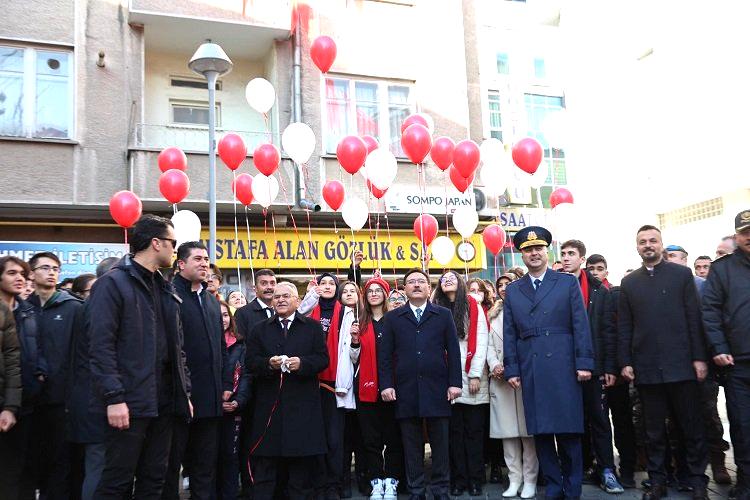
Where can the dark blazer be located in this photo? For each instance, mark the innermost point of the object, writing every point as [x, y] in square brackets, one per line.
[602, 312]
[296, 428]
[58, 321]
[420, 361]
[33, 361]
[546, 338]
[248, 316]
[123, 342]
[726, 306]
[205, 348]
[659, 324]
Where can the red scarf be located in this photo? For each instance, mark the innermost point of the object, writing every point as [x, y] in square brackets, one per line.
[332, 342]
[606, 284]
[473, 322]
[584, 281]
[368, 366]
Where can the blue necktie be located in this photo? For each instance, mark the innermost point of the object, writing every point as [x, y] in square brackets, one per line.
[418, 312]
[537, 284]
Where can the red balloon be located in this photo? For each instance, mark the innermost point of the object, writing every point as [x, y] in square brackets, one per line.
[174, 185]
[172, 158]
[323, 52]
[416, 141]
[333, 194]
[412, 119]
[494, 238]
[559, 196]
[232, 150]
[266, 158]
[370, 142]
[242, 187]
[351, 152]
[462, 183]
[466, 157]
[442, 152]
[376, 192]
[426, 228]
[527, 154]
[125, 208]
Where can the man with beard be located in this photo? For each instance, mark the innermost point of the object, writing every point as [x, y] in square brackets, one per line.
[548, 352]
[661, 348]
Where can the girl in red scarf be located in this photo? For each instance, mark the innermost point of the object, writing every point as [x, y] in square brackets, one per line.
[468, 414]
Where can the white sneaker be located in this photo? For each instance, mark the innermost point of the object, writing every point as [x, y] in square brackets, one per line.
[377, 488]
[528, 491]
[512, 490]
[186, 483]
[391, 489]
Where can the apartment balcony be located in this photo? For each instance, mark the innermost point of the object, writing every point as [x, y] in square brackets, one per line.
[193, 139]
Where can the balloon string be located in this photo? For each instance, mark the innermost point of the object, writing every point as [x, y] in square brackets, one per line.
[390, 245]
[377, 242]
[125, 230]
[306, 177]
[277, 254]
[422, 182]
[174, 208]
[336, 231]
[236, 232]
[305, 253]
[249, 248]
[309, 233]
[445, 184]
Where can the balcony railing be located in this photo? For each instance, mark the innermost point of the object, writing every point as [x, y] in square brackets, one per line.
[191, 138]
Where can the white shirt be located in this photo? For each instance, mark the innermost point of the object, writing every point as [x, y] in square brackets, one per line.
[414, 308]
[290, 318]
[266, 308]
[540, 278]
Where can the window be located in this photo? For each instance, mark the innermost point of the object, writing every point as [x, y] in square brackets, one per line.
[538, 108]
[692, 213]
[496, 124]
[36, 93]
[503, 66]
[193, 112]
[358, 107]
[540, 71]
[191, 83]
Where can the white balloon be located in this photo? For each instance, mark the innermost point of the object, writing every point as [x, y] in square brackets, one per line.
[566, 221]
[187, 226]
[298, 141]
[260, 95]
[492, 151]
[539, 178]
[465, 220]
[381, 168]
[555, 128]
[520, 179]
[354, 211]
[495, 177]
[265, 189]
[443, 250]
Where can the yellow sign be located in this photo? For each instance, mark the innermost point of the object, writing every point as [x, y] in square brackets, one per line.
[287, 249]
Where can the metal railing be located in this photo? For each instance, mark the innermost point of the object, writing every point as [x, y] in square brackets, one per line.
[192, 138]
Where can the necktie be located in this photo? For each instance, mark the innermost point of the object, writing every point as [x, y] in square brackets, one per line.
[537, 284]
[285, 325]
[418, 312]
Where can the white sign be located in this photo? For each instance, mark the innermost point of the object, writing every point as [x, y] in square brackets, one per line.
[433, 201]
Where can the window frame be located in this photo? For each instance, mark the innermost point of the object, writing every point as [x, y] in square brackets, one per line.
[30, 77]
[383, 106]
[188, 103]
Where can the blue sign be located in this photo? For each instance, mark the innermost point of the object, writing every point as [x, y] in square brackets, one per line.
[76, 258]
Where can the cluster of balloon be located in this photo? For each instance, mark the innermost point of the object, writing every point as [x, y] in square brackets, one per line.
[466, 158]
[333, 194]
[242, 187]
[460, 182]
[125, 208]
[323, 52]
[494, 238]
[174, 184]
[351, 153]
[260, 95]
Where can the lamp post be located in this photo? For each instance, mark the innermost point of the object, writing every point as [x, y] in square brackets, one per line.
[211, 61]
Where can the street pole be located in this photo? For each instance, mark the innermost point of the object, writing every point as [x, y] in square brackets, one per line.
[212, 76]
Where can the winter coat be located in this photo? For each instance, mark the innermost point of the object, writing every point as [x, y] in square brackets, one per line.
[205, 348]
[293, 406]
[33, 361]
[10, 362]
[507, 418]
[726, 306]
[58, 321]
[123, 343]
[420, 361]
[478, 368]
[235, 368]
[546, 338]
[248, 316]
[659, 324]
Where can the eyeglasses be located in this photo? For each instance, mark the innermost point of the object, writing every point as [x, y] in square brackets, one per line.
[214, 277]
[448, 279]
[285, 296]
[396, 299]
[47, 269]
[173, 242]
[416, 282]
[375, 291]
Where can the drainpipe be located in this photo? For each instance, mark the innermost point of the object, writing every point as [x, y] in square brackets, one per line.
[301, 191]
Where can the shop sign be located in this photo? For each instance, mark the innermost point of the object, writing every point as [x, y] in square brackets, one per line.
[75, 258]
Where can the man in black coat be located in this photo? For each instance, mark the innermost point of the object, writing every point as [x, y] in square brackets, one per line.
[140, 375]
[661, 347]
[419, 367]
[601, 313]
[59, 317]
[205, 349]
[726, 316]
[285, 354]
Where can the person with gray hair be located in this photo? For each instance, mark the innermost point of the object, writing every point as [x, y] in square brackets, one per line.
[105, 265]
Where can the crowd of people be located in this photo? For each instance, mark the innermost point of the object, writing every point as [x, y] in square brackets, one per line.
[150, 377]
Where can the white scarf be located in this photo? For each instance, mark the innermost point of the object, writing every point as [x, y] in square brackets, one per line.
[345, 367]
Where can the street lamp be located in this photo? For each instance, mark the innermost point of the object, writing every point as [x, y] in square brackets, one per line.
[211, 61]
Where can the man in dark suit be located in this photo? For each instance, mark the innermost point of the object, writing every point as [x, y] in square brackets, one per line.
[285, 354]
[197, 442]
[661, 347]
[547, 342]
[419, 367]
